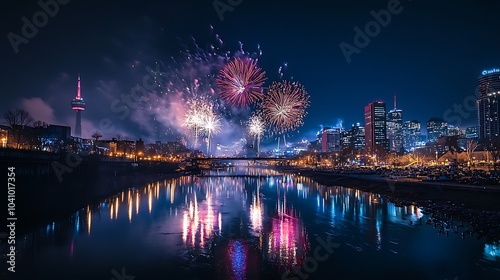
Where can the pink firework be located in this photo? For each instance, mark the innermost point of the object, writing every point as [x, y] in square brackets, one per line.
[240, 82]
[284, 107]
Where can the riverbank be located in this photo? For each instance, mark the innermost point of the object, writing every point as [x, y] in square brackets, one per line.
[474, 197]
[479, 208]
[40, 203]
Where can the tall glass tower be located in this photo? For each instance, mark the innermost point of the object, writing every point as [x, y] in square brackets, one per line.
[488, 108]
[394, 124]
[375, 127]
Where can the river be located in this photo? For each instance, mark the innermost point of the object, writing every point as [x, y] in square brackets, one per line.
[250, 223]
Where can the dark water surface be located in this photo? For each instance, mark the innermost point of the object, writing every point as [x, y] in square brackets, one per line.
[256, 227]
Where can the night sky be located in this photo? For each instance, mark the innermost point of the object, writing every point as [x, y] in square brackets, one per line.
[430, 54]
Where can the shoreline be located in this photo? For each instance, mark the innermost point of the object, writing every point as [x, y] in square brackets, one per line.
[479, 208]
[39, 208]
[473, 197]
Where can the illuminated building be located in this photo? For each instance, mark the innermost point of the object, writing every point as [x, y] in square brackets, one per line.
[411, 135]
[139, 147]
[331, 139]
[472, 132]
[4, 136]
[358, 137]
[455, 131]
[375, 127]
[394, 124]
[78, 105]
[51, 136]
[488, 110]
[436, 127]
[354, 138]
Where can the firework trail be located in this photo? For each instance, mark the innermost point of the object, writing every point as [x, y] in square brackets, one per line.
[284, 106]
[189, 75]
[200, 76]
[211, 125]
[195, 117]
[256, 127]
[282, 69]
[240, 82]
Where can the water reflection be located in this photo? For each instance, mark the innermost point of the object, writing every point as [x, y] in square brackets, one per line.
[256, 211]
[242, 171]
[492, 251]
[237, 252]
[241, 224]
[200, 222]
[89, 219]
[287, 241]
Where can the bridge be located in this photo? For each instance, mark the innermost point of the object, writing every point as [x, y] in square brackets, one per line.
[241, 176]
[227, 159]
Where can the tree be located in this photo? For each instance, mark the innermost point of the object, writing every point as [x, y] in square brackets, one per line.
[17, 119]
[96, 135]
[495, 150]
[470, 148]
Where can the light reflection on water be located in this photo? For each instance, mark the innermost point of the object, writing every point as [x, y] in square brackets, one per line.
[492, 251]
[246, 228]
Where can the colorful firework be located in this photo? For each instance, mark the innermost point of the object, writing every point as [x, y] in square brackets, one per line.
[256, 127]
[195, 117]
[284, 107]
[211, 125]
[240, 82]
[167, 87]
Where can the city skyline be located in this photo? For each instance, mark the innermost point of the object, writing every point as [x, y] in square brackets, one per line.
[393, 127]
[238, 139]
[116, 61]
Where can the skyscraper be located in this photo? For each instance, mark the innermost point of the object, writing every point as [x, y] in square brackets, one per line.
[472, 132]
[411, 134]
[331, 139]
[358, 137]
[455, 131]
[395, 128]
[375, 127]
[78, 105]
[436, 127]
[488, 109]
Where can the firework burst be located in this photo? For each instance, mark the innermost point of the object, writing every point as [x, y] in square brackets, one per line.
[190, 74]
[284, 107]
[196, 115]
[211, 125]
[240, 82]
[256, 127]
